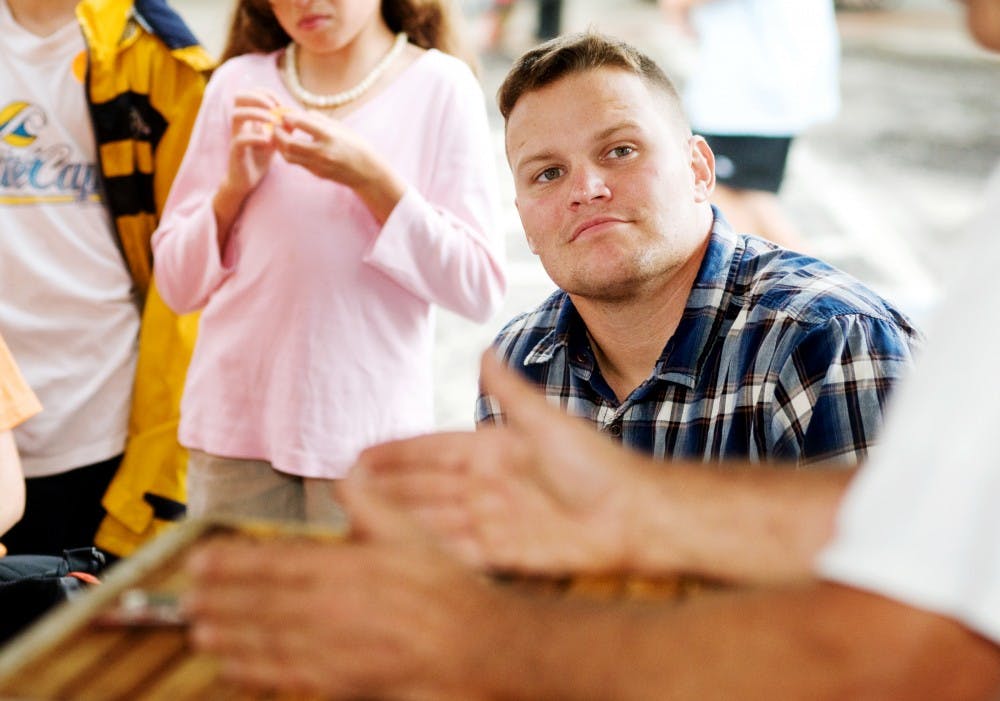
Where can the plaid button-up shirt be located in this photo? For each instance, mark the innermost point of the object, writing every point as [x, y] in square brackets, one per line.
[777, 357]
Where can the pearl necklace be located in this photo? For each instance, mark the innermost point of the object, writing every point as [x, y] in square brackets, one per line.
[309, 99]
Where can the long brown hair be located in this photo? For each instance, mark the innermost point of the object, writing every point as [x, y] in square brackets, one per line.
[430, 24]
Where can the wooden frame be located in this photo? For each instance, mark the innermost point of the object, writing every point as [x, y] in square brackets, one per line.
[88, 650]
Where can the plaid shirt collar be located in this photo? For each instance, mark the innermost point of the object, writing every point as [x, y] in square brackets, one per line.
[681, 360]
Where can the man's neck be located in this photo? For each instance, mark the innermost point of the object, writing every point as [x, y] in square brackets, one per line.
[42, 17]
[628, 336]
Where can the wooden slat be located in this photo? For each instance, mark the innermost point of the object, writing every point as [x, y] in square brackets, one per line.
[54, 676]
[191, 678]
[68, 621]
[151, 652]
[70, 656]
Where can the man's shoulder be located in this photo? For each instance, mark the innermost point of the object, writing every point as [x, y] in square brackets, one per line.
[774, 281]
[522, 333]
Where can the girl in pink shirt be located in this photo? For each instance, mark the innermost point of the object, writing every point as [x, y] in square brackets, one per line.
[338, 184]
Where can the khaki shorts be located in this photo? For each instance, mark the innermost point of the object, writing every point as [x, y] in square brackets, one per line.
[236, 487]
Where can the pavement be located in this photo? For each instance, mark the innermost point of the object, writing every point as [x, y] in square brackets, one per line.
[884, 191]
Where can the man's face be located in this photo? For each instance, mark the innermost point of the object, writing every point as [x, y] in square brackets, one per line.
[612, 190]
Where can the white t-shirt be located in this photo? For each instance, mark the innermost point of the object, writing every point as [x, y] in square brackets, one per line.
[921, 523]
[764, 67]
[66, 308]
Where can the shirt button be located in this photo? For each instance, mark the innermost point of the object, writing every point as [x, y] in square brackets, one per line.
[615, 429]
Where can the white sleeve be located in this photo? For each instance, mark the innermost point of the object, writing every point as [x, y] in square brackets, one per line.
[921, 523]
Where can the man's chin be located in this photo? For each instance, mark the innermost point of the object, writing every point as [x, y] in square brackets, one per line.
[606, 290]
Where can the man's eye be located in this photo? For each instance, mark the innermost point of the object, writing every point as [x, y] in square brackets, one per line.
[621, 151]
[549, 174]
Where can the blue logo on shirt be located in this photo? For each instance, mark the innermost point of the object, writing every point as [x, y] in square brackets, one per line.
[30, 174]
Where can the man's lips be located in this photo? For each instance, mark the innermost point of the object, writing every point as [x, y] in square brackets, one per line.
[593, 225]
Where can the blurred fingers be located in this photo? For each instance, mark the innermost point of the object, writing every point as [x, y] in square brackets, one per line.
[252, 119]
[258, 97]
[420, 488]
[373, 517]
[522, 403]
[294, 147]
[314, 124]
[445, 453]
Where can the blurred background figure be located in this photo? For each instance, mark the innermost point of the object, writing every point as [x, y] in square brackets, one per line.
[765, 71]
[498, 16]
[549, 19]
[97, 99]
[548, 22]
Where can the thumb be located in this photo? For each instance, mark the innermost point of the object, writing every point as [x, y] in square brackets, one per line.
[372, 517]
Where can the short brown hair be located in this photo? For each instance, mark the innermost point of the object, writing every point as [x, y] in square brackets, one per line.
[574, 53]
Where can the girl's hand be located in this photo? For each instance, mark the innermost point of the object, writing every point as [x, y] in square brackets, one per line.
[331, 151]
[252, 145]
[250, 153]
[325, 147]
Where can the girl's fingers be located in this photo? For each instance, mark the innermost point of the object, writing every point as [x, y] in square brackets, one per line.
[258, 98]
[252, 138]
[244, 115]
[312, 123]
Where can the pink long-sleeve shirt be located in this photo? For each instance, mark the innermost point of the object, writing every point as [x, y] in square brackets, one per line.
[317, 328]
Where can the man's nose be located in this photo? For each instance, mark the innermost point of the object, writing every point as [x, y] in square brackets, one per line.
[589, 184]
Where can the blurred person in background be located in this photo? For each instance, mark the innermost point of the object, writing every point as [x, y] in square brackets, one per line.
[766, 70]
[548, 21]
[99, 99]
[549, 24]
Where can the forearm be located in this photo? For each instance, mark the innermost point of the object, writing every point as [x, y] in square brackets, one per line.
[746, 524]
[445, 244]
[226, 206]
[187, 251]
[187, 261]
[818, 641]
[378, 186]
[442, 253]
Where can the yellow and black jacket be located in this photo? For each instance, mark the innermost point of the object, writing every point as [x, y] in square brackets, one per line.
[145, 77]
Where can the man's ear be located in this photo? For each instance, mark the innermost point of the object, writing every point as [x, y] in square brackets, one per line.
[527, 234]
[703, 168]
